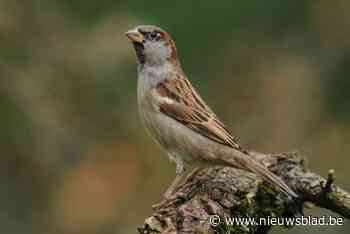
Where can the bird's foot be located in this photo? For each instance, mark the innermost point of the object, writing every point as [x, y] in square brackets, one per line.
[168, 200]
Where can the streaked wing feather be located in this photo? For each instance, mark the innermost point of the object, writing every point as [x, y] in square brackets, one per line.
[188, 108]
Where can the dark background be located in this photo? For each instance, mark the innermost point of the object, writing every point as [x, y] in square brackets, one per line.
[74, 156]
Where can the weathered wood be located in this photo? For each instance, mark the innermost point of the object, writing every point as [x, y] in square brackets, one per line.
[227, 192]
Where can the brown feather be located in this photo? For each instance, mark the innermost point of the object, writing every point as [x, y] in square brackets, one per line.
[189, 109]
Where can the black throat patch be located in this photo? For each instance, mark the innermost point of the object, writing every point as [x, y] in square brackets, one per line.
[139, 49]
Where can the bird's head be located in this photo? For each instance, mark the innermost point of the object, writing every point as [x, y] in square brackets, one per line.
[153, 45]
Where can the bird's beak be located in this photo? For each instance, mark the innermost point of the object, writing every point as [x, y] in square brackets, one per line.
[135, 36]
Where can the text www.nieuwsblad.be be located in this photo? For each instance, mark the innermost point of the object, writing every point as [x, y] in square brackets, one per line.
[216, 220]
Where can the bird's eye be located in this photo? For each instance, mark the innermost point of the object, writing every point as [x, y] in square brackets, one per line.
[154, 36]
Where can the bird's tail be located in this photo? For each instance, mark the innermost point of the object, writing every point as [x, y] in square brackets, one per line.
[244, 161]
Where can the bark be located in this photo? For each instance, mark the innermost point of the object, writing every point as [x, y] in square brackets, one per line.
[217, 193]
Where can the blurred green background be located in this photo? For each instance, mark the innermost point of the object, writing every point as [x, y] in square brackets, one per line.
[74, 156]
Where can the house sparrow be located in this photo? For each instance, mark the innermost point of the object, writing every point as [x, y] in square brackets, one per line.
[178, 118]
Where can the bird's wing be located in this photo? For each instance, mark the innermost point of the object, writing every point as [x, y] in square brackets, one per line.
[178, 99]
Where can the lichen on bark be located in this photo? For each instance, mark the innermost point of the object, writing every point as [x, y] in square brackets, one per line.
[227, 192]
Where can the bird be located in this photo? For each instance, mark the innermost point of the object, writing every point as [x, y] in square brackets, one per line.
[177, 117]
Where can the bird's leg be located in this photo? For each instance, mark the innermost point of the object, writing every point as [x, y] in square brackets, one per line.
[168, 195]
[180, 171]
[191, 175]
